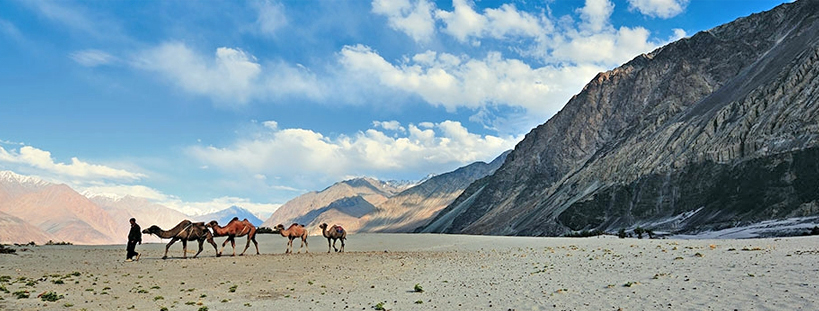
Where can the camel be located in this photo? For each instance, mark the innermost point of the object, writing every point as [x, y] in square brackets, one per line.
[295, 231]
[185, 231]
[235, 228]
[336, 233]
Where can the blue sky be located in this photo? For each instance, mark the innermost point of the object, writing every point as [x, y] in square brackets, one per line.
[200, 105]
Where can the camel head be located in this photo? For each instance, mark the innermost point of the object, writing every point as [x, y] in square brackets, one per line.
[212, 224]
[280, 227]
[151, 230]
[323, 226]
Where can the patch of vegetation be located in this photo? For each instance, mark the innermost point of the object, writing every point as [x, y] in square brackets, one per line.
[418, 288]
[233, 288]
[50, 242]
[5, 278]
[225, 300]
[247, 304]
[203, 308]
[630, 284]
[583, 234]
[68, 305]
[163, 309]
[58, 282]
[51, 296]
[190, 303]
[203, 296]
[158, 298]
[418, 302]
[379, 306]
[265, 230]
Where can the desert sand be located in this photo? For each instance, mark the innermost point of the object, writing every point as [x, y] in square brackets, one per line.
[450, 271]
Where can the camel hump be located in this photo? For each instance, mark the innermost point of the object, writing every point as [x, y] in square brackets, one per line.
[235, 219]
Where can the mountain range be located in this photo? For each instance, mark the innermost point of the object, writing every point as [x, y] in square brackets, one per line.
[710, 132]
[33, 210]
[370, 205]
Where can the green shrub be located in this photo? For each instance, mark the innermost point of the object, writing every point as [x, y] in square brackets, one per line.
[50, 296]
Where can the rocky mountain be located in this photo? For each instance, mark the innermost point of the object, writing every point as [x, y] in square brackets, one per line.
[344, 202]
[57, 210]
[226, 215]
[369, 205]
[416, 206]
[713, 131]
[16, 230]
[35, 210]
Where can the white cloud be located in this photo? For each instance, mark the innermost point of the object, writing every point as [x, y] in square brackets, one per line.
[41, 160]
[231, 77]
[659, 8]
[271, 17]
[463, 22]
[288, 154]
[595, 15]
[451, 81]
[413, 17]
[389, 125]
[92, 58]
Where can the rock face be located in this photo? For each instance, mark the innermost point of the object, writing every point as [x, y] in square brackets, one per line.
[712, 131]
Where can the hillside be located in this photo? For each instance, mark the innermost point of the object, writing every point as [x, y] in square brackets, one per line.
[369, 205]
[713, 131]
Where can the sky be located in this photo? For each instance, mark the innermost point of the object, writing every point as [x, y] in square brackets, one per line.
[200, 105]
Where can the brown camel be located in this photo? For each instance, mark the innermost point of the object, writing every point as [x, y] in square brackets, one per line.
[185, 231]
[295, 231]
[336, 233]
[235, 228]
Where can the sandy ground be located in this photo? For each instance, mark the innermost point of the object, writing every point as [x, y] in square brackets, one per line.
[455, 272]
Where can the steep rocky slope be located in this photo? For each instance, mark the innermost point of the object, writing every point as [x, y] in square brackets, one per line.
[416, 206]
[712, 131]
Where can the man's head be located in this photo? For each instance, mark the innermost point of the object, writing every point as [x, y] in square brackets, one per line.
[133, 221]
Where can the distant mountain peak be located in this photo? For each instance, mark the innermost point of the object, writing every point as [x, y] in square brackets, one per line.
[12, 177]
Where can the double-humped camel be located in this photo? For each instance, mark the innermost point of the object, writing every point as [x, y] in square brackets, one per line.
[185, 231]
[295, 231]
[235, 228]
[336, 232]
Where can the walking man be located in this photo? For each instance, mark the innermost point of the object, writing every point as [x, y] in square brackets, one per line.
[134, 237]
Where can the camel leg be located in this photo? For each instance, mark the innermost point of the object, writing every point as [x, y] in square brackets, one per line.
[328, 245]
[210, 240]
[200, 248]
[246, 246]
[256, 244]
[233, 244]
[219, 253]
[289, 245]
[334, 245]
[304, 244]
[342, 245]
[184, 249]
[167, 247]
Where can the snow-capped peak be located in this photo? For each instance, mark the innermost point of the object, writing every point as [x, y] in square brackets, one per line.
[12, 177]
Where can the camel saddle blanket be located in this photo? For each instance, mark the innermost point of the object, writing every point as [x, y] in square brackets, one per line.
[338, 228]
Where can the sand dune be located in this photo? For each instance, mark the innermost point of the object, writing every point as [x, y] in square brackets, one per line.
[455, 272]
